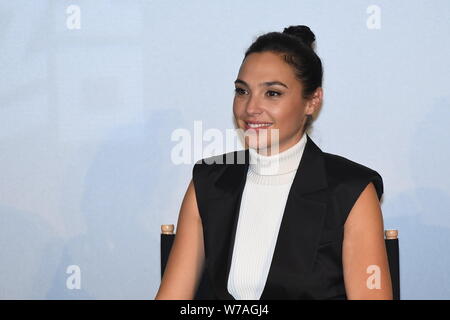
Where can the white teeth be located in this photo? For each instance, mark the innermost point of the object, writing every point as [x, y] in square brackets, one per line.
[251, 125]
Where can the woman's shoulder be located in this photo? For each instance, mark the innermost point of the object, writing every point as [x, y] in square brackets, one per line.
[207, 171]
[342, 170]
[218, 162]
[342, 165]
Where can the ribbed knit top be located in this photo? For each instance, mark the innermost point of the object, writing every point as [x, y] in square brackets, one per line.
[264, 197]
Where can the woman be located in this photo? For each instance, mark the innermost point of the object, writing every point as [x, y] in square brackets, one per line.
[291, 221]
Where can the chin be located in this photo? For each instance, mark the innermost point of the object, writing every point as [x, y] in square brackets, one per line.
[259, 138]
[260, 146]
[257, 141]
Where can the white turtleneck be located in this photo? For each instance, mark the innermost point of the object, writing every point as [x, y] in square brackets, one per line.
[264, 197]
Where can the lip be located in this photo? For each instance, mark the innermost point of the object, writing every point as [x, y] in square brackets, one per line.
[256, 122]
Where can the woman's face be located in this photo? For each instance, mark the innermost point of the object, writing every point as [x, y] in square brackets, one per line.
[267, 91]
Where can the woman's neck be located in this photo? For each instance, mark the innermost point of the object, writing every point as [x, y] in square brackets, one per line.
[280, 163]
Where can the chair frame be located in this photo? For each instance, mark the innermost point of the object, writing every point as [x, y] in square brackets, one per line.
[204, 291]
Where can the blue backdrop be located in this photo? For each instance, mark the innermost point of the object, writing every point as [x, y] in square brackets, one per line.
[91, 93]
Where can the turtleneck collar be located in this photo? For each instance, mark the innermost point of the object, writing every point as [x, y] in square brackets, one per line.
[277, 164]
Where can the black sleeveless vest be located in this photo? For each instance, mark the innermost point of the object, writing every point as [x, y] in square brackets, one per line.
[307, 261]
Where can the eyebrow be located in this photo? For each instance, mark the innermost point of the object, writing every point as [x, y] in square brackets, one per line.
[267, 83]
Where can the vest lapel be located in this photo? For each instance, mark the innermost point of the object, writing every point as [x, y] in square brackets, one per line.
[299, 232]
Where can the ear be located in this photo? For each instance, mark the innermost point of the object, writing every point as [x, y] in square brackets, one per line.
[315, 102]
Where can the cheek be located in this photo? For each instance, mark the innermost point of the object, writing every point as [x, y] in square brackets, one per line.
[288, 119]
[237, 108]
[286, 116]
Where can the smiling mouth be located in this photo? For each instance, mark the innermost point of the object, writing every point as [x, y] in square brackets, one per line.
[250, 125]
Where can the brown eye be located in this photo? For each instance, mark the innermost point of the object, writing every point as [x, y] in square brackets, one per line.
[273, 92]
[239, 91]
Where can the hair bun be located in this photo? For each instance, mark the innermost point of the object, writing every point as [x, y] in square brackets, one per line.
[302, 32]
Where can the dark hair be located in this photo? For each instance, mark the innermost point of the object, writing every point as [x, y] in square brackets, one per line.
[296, 45]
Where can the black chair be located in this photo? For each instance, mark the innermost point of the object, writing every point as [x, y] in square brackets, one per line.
[204, 292]
[392, 248]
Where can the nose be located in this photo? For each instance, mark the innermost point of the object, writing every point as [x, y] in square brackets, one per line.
[253, 106]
